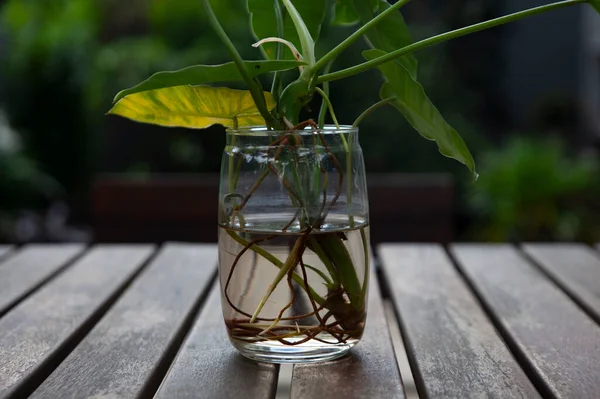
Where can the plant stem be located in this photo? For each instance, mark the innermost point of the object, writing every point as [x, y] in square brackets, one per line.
[323, 110]
[344, 73]
[363, 236]
[231, 166]
[330, 106]
[317, 249]
[279, 264]
[290, 263]
[277, 86]
[356, 35]
[253, 86]
[347, 150]
[372, 108]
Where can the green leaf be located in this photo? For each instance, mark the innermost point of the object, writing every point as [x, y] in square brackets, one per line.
[389, 34]
[202, 74]
[264, 23]
[293, 99]
[306, 39]
[418, 110]
[596, 5]
[344, 12]
[193, 107]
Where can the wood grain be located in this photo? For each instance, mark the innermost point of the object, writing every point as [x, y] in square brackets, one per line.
[35, 335]
[575, 268]
[208, 366]
[31, 267]
[557, 343]
[369, 371]
[454, 349]
[119, 358]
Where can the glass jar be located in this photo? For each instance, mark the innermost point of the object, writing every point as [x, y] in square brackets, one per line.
[293, 243]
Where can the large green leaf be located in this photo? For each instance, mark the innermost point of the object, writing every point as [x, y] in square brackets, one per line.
[264, 22]
[345, 13]
[413, 103]
[202, 74]
[193, 107]
[596, 5]
[389, 34]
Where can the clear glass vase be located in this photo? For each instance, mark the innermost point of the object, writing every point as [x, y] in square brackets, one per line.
[293, 243]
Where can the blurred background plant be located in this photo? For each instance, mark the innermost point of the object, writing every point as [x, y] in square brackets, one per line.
[62, 61]
[534, 189]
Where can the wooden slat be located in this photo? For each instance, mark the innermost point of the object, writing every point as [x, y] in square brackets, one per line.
[369, 371]
[155, 310]
[4, 250]
[208, 366]
[557, 343]
[575, 267]
[454, 349]
[31, 267]
[38, 333]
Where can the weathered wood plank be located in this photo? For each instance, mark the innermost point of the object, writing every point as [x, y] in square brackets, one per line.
[208, 366]
[369, 371]
[155, 310]
[575, 268]
[40, 331]
[31, 267]
[453, 347]
[5, 250]
[556, 342]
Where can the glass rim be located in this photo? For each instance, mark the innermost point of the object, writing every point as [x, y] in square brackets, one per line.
[259, 131]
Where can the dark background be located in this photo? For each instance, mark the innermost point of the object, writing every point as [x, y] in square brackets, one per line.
[525, 97]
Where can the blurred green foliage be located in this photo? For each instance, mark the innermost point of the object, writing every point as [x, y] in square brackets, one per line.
[65, 59]
[62, 61]
[534, 189]
[22, 184]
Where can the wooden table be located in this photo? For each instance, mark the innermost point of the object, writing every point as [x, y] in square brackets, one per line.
[124, 321]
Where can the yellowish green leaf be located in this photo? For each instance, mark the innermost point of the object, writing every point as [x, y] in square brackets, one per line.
[192, 107]
[203, 74]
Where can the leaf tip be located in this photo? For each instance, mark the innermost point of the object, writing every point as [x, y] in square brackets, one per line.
[118, 96]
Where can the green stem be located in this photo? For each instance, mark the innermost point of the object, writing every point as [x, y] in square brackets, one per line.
[347, 149]
[317, 249]
[344, 73]
[231, 166]
[290, 263]
[323, 110]
[372, 108]
[335, 249]
[277, 86]
[363, 236]
[234, 175]
[356, 35]
[253, 86]
[330, 106]
[279, 264]
[349, 178]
